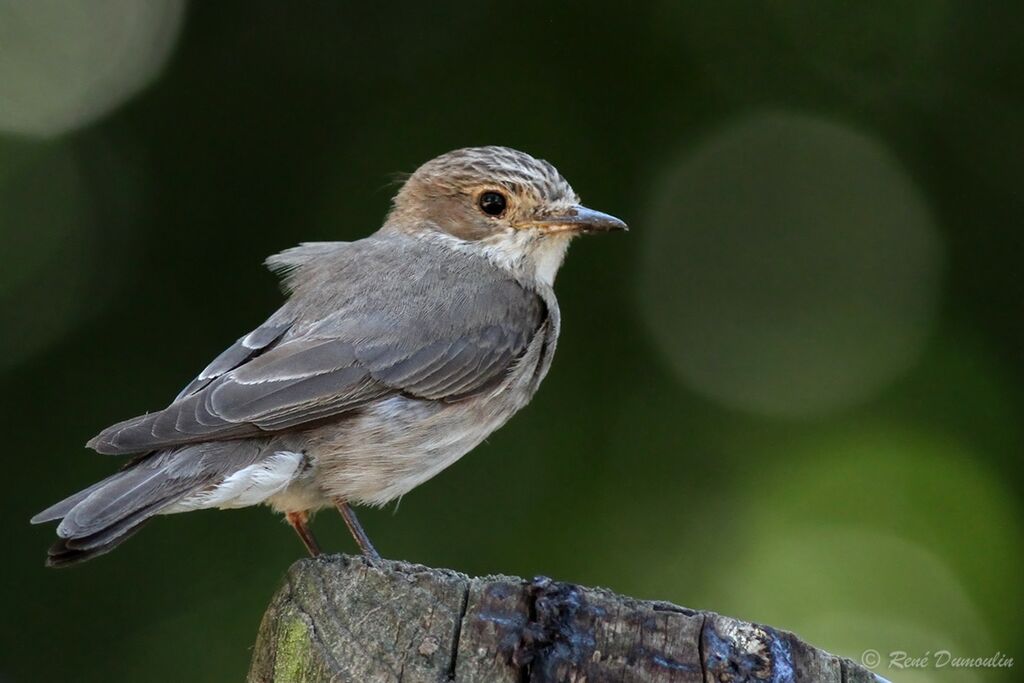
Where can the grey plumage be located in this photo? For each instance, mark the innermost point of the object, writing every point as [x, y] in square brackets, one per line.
[393, 356]
[443, 341]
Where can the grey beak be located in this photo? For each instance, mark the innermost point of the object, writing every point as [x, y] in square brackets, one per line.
[582, 219]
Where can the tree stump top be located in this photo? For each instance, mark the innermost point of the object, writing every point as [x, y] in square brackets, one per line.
[338, 619]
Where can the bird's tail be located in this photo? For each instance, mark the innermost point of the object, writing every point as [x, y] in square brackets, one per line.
[96, 520]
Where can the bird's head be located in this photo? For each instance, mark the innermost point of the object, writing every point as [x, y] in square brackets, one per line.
[516, 210]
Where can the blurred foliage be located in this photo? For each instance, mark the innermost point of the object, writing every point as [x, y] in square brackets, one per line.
[792, 393]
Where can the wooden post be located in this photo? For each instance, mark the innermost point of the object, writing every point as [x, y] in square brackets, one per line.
[338, 619]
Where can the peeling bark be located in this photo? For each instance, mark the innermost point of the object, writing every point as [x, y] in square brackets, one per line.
[337, 619]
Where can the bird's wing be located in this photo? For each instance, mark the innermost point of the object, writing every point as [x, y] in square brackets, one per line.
[250, 346]
[270, 333]
[442, 343]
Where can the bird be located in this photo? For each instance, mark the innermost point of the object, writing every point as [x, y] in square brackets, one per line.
[391, 357]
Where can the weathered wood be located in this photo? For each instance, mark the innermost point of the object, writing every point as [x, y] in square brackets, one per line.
[338, 619]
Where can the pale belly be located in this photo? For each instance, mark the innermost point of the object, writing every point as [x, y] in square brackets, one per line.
[398, 444]
[390, 449]
[392, 446]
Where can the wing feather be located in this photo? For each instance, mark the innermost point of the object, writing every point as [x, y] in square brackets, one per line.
[246, 348]
[396, 337]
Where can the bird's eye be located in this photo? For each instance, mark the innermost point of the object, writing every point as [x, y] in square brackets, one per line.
[493, 203]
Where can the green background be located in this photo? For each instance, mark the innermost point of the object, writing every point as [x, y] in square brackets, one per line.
[791, 394]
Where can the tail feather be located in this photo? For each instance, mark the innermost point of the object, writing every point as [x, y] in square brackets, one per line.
[113, 533]
[58, 511]
[123, 495]
[66, 552]
[99, 518]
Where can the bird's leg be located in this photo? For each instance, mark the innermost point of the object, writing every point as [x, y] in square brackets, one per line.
[356, 529]
[300, 522]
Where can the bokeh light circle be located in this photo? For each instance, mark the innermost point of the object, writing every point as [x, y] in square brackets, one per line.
[64, 63]
[790, 266]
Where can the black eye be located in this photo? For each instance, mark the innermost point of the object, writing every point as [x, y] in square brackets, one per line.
[493, 203]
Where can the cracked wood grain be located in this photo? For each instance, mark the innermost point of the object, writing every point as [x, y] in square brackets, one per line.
[337, 619]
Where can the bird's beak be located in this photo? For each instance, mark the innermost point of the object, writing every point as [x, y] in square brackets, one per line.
[580, 219]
